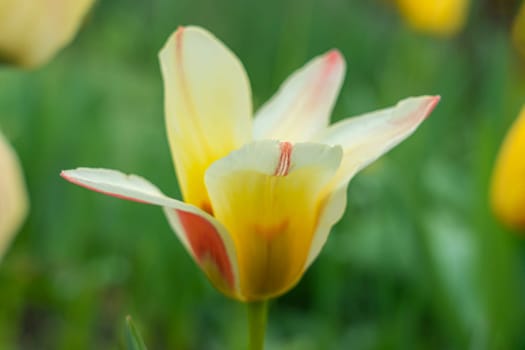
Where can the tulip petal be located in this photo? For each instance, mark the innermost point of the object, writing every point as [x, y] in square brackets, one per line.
[367, 137]
[269, 195]
[304, 102]
[207, 241]
[208, 107]
[364, 139]
[331, 212]
[13, 196]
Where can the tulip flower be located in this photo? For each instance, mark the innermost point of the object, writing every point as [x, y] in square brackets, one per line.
[508, 181]
[260, 194]
[32, 31]
[13, 197]
[438, 17]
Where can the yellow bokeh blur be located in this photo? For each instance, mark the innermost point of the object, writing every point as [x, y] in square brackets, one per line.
[13, 196]
[508, 180]
[437, 17]
[31, 32]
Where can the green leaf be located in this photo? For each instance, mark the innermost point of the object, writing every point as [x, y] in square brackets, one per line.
[133, 339]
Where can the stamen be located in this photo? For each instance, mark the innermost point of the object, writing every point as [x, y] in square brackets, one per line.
[283, 166]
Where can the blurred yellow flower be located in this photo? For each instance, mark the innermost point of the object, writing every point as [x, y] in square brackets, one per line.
[32, 31]
[508, 178]
[518, 30]
[13, 197]
[438, 17]
[261, 194]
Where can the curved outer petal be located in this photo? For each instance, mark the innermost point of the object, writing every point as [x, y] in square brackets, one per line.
[364, 139]
[269, 195]
[508, 179]
[207, 241]
[304, 102]
[208, 107]
[31, 32]
[441, 17]
[331, 212]
[13, 195]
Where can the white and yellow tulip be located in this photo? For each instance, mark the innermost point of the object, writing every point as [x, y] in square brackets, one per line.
[261, 194]
[32, 31]
[13, 196]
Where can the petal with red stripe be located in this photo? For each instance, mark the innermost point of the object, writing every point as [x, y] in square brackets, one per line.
[304, 102]
[206, 239]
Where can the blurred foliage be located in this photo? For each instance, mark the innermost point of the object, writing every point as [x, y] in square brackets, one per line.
[418, 262]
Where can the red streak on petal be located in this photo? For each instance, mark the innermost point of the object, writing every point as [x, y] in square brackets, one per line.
[206, 243]
[333, 58]
[182, 79]
[116, 195]
[178, 37]
[420, 114]
[332, 64]
[432, 105]
[283, 166]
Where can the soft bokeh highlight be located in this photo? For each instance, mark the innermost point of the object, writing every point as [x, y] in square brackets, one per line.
[437, 17]
[31, 32]
[508, 179]
[13, 196]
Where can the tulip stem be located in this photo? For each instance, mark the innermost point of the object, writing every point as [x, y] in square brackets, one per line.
[257, 317]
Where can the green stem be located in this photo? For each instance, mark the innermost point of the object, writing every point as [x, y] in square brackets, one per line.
[257, 317]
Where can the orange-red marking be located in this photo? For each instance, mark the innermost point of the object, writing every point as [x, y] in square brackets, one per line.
[285, 159]
[206, 243]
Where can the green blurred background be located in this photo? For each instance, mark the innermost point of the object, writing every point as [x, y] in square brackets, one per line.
[418, 261]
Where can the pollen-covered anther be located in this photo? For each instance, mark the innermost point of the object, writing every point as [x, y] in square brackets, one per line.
[283, 166]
